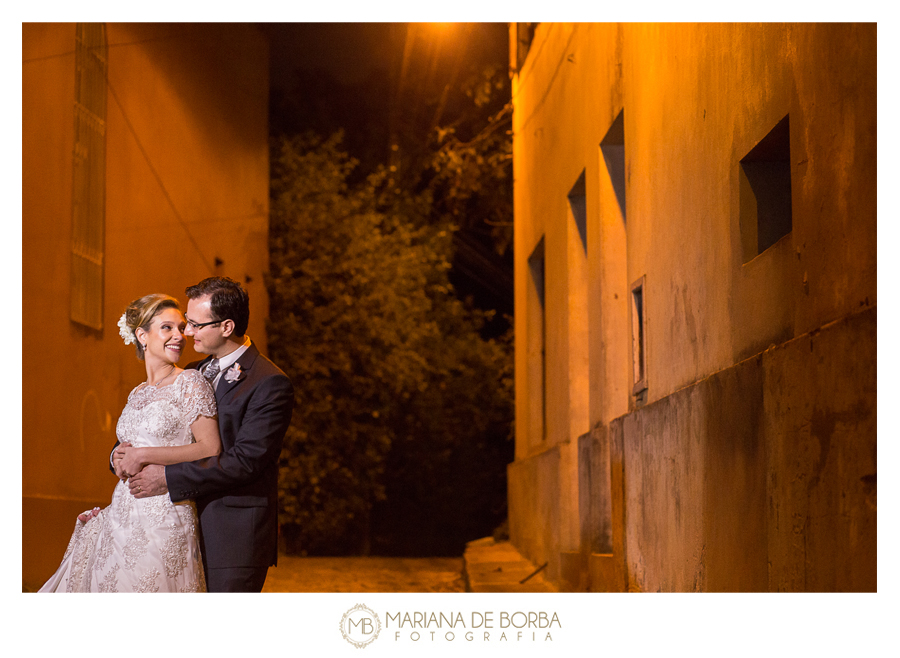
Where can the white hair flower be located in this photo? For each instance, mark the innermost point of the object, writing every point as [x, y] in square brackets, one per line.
[126, 333]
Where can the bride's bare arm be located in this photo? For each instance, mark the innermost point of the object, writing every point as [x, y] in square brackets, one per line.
[207, 444]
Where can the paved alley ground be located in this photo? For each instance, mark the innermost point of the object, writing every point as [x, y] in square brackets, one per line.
[365, 574]
[487, 566]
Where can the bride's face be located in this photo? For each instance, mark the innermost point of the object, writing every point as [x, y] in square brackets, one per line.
[164, 341]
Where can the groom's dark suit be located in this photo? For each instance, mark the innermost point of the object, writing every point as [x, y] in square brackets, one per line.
[236, 492]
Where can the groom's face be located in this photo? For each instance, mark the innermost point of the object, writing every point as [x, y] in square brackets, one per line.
[208, 339]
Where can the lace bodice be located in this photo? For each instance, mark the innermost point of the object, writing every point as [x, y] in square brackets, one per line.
[162, 416]
[143, 544]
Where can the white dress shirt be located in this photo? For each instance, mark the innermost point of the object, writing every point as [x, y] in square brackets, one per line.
[228, 360]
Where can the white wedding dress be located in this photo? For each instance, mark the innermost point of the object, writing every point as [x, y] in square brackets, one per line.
[149, 544]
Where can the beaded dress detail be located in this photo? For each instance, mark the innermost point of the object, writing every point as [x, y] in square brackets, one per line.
[148, 544]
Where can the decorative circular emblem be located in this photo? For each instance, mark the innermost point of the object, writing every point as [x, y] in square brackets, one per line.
[360, 626]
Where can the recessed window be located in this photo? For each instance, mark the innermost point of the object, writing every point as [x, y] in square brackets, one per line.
[536, 329]
[613, 148]
[639, 337]
[89, 175]
[765, 192]
[578, 205]
[577, 284]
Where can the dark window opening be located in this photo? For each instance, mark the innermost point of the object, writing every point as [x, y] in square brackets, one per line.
[578, 204]
[765, 192]
[537, 361]
[638, 337]
[613, 148]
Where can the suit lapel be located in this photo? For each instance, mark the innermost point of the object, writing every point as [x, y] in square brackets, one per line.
[246, 362]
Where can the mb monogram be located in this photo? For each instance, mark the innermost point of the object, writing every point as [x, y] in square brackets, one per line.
[360, 626]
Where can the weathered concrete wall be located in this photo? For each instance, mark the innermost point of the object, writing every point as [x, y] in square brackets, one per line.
[534, 485]
[757, 478]
[694, 487]
[821, 437]
[696, 99]
[186, 151]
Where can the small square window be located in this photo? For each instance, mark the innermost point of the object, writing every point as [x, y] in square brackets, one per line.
[765, 192]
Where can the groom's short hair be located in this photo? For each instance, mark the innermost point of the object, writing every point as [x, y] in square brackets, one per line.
[227, 300]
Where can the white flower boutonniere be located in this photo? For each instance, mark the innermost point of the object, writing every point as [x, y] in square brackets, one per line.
[126, 333]
[233, 373]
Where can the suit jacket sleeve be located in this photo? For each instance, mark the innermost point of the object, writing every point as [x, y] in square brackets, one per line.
[256, 446]
[112, 470]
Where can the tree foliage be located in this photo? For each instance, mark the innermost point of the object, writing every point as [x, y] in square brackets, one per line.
[470, 160]
[397, 394]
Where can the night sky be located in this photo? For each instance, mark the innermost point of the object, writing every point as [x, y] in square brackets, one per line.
[347, 50]
[358, 77]
[351, 50]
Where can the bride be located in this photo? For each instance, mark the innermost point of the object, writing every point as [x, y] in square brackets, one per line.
[149, 544]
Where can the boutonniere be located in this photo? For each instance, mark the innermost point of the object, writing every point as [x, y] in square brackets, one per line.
[233, 373]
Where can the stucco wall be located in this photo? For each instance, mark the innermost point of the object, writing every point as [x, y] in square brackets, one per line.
[696, 99]
[534, 486]
[186, 183]
[758, 477]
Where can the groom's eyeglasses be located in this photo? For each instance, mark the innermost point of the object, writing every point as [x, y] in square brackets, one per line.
[200, 325]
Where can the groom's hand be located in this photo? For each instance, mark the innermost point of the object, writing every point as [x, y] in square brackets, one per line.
[151, 481]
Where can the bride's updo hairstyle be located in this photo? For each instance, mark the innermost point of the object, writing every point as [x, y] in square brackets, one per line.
[140, 313]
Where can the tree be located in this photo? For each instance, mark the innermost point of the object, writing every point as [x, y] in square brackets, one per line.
[364, 321]
[471, 160]
[441, 119]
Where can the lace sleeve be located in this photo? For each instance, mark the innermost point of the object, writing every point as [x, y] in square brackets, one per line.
[198, 397]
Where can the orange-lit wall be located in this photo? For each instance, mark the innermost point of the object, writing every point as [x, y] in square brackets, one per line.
[186, 183]
[662, 471]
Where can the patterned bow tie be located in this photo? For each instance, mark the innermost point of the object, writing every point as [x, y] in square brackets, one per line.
[211, 370]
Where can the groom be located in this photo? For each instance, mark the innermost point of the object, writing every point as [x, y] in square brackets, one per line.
[236, 492]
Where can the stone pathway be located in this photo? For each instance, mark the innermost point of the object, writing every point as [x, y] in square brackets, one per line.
[365, 574]
[487, 566]
[498, 567]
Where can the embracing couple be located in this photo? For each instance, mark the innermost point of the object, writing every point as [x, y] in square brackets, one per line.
[198, 444]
